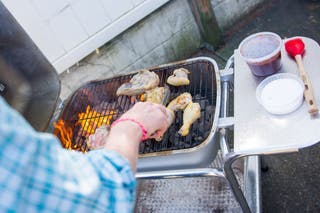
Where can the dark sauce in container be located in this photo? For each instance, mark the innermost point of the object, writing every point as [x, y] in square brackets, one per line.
[262, 52]
[267, 68]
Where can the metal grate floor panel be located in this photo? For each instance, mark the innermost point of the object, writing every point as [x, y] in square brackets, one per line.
[199, 194]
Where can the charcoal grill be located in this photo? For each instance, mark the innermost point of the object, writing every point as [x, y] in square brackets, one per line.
[175, 156]
[196, 150]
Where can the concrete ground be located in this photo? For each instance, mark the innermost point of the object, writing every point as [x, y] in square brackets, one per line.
[290, 182]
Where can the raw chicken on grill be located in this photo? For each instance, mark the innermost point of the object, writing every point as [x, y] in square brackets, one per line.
[98, 139]
[190, 114]
[179, 77]
[180, 102]
[144, 80]
[158, 95]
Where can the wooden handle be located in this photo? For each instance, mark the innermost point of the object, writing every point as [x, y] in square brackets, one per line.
[308, 91]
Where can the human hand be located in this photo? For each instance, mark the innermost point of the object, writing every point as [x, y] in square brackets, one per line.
[154, 117]
[126, 134]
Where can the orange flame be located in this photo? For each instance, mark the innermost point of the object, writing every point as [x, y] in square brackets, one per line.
[65, 134]
[142, 97]
[91, 119]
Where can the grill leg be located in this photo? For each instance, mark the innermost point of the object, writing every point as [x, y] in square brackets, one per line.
[233, 182]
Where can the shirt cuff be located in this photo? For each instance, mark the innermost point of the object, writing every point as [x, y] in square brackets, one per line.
[113, 166]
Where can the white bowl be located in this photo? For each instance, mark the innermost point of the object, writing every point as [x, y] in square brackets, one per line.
[281, 93]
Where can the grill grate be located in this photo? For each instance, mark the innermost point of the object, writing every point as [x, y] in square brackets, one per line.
[101, 97]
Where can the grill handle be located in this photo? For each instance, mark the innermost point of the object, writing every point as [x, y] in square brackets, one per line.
[226, 122]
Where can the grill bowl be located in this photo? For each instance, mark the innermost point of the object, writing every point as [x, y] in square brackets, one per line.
[195, 150]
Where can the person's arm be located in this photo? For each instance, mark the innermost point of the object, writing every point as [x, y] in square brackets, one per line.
[38, 175]
[125, 136]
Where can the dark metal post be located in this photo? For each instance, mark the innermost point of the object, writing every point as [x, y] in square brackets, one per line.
[206, 21]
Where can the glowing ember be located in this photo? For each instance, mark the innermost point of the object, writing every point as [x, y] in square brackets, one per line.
[142, 98]
[91, 119]
[135, 99]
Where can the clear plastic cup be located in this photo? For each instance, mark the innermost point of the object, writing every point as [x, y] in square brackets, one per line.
[262, 52]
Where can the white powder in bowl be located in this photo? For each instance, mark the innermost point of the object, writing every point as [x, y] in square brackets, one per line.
[281, 92]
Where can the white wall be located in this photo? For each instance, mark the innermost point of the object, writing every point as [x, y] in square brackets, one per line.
[68, 30]
[166, 35]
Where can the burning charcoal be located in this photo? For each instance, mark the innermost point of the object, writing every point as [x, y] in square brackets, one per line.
[91, 119]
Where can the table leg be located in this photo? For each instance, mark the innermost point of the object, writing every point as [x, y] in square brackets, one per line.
[233, 182]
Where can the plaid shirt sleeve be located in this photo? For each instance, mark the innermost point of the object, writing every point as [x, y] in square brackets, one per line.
[38, 175]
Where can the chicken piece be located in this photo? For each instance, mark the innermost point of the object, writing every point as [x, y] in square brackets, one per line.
[144, 80]
[155, 95]
[179, 77]
[190, 114]
[158, 95]
[98, 139]
[180, 102]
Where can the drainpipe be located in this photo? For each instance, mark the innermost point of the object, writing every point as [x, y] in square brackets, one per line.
[207, 23]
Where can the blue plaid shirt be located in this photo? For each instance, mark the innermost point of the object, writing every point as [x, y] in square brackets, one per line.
[38, 175]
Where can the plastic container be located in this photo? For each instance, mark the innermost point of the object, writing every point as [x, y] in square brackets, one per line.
[262, 52]
[281, 93]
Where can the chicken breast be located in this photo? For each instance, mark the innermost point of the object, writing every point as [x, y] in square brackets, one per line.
[180, 102]
[179, 77]
[144, 80]
[158, 95]
[190, 114]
